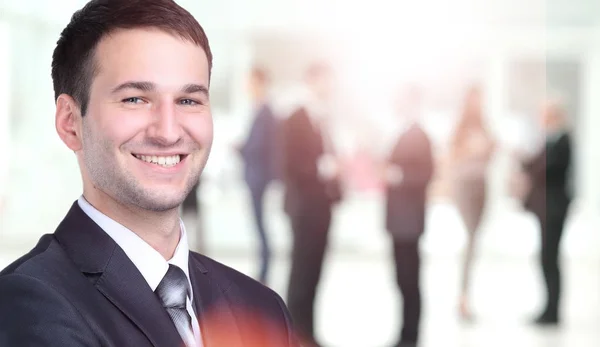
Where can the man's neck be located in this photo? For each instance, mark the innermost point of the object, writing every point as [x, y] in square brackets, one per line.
[555, 131]
[161, 230]
[259, 102]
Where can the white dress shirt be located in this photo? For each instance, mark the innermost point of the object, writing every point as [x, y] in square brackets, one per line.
[392, 133]
[151, 264]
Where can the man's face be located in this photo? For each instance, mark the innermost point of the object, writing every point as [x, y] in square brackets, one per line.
[551, 117]
[321, 84]
[256, 87]
[148, 129]
[408, 104]
[474, 100]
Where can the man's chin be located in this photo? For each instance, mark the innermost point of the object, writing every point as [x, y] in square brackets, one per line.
[160, 206]
[160, 202]
[160, 196]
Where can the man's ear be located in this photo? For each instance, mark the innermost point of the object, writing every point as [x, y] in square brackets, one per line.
[68, 122]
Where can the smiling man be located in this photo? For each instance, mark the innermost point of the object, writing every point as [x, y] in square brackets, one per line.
[131, 82]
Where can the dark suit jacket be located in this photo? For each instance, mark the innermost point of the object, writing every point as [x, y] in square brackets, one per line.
[405, 208]
[548, 172]
[78, 288]
[303, 146]
[260, 152]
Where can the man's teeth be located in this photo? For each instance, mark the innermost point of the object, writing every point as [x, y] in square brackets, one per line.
[162, 161]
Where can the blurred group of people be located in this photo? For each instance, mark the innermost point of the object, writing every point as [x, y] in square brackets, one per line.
[298, 150]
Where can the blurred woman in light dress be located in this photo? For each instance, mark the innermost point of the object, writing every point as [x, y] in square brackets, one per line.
[472, 148]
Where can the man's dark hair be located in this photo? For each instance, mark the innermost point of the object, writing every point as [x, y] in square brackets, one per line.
[73, 65]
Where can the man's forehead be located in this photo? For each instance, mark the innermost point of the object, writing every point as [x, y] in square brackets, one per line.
[116, 41]
[138, 56]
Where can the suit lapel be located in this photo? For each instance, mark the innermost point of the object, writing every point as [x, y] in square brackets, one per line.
[217, 320]
[120, 282]
[399, 148]
[126, 288]
[313, 132]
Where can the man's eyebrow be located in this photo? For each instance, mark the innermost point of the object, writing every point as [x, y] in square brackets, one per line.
[149, 86]
[139, 85]
[195, 88]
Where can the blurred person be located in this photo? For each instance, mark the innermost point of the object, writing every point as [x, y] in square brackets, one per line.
[544, 184]
[260, 155]
[472, 148]
[408, 172]
[527, 139]
[311, 175]
[132, 103]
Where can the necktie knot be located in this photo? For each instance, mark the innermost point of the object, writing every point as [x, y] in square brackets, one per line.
[173, 290]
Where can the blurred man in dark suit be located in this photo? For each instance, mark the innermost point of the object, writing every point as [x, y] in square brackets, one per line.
[548, 198]
[260, 153]
[408, 172]
[311, 174]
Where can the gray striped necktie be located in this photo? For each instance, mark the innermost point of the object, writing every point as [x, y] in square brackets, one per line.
[173, 292]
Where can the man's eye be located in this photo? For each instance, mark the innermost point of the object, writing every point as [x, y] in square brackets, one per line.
[189, 102]
[133, 100]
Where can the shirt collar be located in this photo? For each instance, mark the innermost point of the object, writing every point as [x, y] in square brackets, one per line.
[554, 136]
[318, 110]
[146, 259]
[404, 125]
[260, 107]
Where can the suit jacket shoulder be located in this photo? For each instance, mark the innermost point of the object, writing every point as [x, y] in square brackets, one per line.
[35, 308]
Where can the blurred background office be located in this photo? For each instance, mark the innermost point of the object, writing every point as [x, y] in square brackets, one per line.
[517, 52]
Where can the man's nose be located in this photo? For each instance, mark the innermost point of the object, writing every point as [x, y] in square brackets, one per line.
[165, 128]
